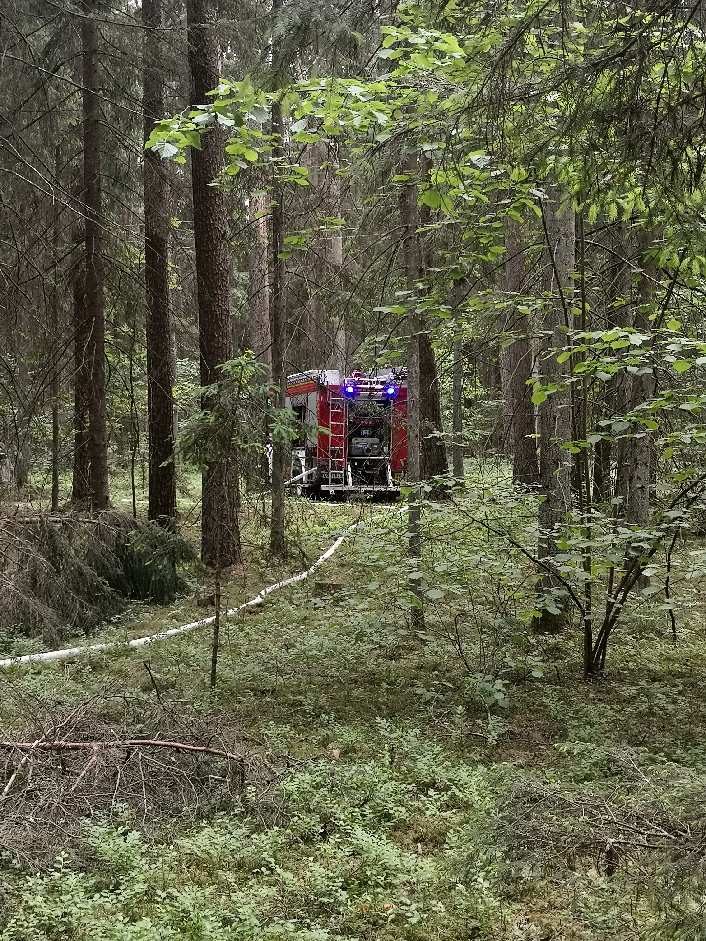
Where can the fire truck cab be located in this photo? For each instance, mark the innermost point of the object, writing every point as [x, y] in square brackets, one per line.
[352, 432]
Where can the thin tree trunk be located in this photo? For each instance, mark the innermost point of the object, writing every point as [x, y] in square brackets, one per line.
[278, 326]
[339, 359]
[220, 535]
[457, 406]
[409, 219]
[434, 461]
[55, 374]
[517, 367]
[614, 399]
[278, 305]
[639, 458]
[97, 444]
[259, 278]
[554, 422]
[82, 379]
[160, 369]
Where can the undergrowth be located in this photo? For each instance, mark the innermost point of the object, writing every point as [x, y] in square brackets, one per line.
[462, 783]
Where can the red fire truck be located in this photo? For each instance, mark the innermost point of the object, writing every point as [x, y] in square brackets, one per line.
[352, 432]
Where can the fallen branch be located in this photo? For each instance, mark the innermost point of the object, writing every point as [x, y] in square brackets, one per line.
[69, 653]
[120, 744]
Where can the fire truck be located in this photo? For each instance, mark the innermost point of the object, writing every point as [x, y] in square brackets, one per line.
[352, 432]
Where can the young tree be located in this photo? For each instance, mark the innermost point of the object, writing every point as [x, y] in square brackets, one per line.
[220, 535]
[160, 368]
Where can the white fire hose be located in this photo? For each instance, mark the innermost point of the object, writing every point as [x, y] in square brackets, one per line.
[70, 653]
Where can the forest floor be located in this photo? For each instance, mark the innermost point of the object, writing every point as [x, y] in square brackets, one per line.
[462, 782]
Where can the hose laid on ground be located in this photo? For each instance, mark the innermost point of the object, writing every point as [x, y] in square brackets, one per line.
[69, 653]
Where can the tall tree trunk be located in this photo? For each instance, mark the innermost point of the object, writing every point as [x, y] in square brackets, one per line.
[278, 327]
[457, 406]
[618, 313]
[160, 374]
[259, 278]
[54, 343]
[554, 420]
[82, 383]
[258, 332]
[339, 359]
[220, 535]
[411, 249]
[97, 445]
[516, 360]
[434, 461]
[639, 457]
[278, 304]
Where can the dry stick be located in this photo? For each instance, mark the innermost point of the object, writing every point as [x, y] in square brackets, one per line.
[120, 744]
[70, 653]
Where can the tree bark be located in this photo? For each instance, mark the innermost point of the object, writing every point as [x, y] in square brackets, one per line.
[457, 449]
[516, 361]
[434, 462]
[97, 443]
[278, 327]
[411, 250]
[54, 342]
[639, 451]
[614, 400]
[554, 419]
[259, 278]
[433, 458]
[339, 358]
[82, 381]
[278, 303]
[160, 371]
[220, 535]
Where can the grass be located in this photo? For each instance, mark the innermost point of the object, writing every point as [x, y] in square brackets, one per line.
[465, 783]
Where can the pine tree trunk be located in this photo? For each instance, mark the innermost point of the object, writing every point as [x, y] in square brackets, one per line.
[639, 456]
[97, 444]
[433, 458]
[516, 361]
[434, 461]
[220, 535]
[54, 345]
[278, 326]
[411, 249]
[259, 278]
[554, 419]
[160, 374]
[82, 381]
[457, 449]
[339, 359]
[614, 400]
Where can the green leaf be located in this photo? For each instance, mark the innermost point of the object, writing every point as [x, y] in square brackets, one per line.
[681, 365]
[431, 198]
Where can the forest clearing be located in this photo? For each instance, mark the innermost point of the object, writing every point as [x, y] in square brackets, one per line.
[352, 470]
